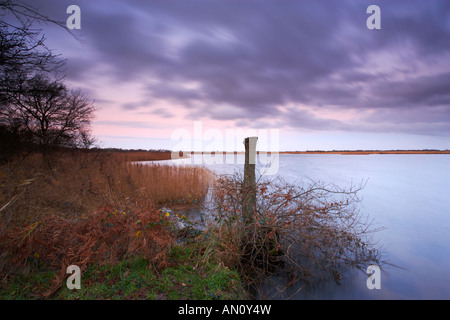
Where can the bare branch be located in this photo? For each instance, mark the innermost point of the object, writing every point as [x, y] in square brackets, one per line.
[312, 231]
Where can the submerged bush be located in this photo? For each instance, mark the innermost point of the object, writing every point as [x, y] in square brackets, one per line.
[313, 230]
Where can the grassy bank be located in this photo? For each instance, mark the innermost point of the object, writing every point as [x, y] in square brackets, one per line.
[133, 279]
[103, 214]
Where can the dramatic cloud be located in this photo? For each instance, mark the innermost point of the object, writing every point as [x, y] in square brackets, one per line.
[306, 65]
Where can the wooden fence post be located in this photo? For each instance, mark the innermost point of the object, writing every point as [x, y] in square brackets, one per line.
[249, 186]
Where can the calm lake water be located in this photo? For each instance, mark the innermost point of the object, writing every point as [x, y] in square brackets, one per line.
[407, 194]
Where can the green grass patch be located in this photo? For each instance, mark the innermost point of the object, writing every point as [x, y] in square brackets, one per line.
[189, 277]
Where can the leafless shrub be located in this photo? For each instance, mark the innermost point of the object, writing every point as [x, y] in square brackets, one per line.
[311, 230]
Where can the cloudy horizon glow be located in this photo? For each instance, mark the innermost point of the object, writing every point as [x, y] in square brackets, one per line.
[310, 69]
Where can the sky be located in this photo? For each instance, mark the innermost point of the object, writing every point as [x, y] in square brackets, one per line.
[300, 75]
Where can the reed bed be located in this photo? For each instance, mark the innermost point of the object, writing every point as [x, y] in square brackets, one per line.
[80, 183]
[170, 184]
[143, 155]
[90, 208]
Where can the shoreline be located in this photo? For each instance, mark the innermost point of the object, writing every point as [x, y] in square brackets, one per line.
[334, 152]
[369, 152]
[133, 156]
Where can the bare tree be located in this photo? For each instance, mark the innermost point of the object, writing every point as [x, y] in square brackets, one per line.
[54, 115]
[34, 102]
[22, 14]
[23, 51]
[22, 47]
[23, 54]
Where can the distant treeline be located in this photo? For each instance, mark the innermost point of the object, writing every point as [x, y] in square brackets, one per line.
[128, 150]
[17, 142]
[374, 150]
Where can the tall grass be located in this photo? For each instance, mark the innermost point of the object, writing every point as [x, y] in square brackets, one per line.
[91, 207]
[80, 183]
[170, 184]
[143, 155]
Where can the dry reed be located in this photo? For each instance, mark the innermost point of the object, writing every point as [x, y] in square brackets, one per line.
[80, 183]
[92, 207]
